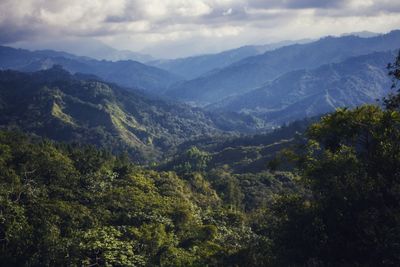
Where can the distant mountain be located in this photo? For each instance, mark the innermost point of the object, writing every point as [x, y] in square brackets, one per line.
[192, 67]
[253, 72]
[306, 93]
[364, 34]
[127, 73]
[77, 108]
[88, 47]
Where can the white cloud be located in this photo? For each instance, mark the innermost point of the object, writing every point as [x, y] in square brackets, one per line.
[193, 26]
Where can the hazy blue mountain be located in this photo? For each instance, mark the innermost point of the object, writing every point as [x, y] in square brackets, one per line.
[253, 72]
[126, 73]
[88, 47]
[192, 67]
[306, 93]
[364, 34]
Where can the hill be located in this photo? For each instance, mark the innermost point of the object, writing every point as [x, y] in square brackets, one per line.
[127, 73]
[245, 153]
[89, 207]
[85, 47]
[253, 72]
[79, 108]
[60, 106]
[195, 66]
[306, 93]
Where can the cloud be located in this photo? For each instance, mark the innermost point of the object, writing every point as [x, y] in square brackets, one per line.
[297, 4]
[192, 25]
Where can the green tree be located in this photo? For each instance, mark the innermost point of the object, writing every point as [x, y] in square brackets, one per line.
[109, 246]
[393, 100]
[192, 160]
[352, 216]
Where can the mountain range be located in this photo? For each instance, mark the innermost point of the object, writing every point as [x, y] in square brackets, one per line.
[307, 93]
[127, 73]
[134, 105]
[88, 47]
[256, 71]
[79, 108]
[195, 66]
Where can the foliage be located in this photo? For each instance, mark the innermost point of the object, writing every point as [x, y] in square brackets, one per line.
[72, 206]
[393, 100]
[351, 216]
[60, 106]
[220, 201]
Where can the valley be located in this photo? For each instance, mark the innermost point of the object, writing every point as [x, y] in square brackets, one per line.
[284, 154]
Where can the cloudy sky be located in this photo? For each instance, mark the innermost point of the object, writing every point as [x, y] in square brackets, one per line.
[173, 28]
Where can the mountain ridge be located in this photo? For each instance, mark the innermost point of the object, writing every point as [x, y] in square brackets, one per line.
[78, 108]
[305, 93]
[253, 72]
[127, 73]
[87, 48]
[197, 66]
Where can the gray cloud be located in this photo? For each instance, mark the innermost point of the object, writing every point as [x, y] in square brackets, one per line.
[197, 26]
[297, 4]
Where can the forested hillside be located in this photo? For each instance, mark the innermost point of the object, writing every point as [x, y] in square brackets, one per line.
[79, 108]
[73, 206]
[206, 133]
[313, 193]
[78, 206]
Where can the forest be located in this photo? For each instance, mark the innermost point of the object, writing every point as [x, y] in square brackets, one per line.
[320, 192]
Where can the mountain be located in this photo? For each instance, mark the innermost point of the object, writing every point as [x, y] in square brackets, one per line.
[88, 48]
[78, 108]
[127, 73]
[54, 104]
[364, 34]
[253, 72]
[306, 93]
[192, 67]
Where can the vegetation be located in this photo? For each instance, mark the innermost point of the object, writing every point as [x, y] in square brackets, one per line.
[80, 109]
[328, 197]
[393, 100]
[350, 213]
[73, 206]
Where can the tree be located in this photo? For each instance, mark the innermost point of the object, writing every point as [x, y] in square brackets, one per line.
[393, 100]
[108, 246]
[351, 166]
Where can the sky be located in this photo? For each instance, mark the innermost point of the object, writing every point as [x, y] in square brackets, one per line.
[178, 28]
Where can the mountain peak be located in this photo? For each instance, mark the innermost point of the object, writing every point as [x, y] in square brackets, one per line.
[55, 73]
